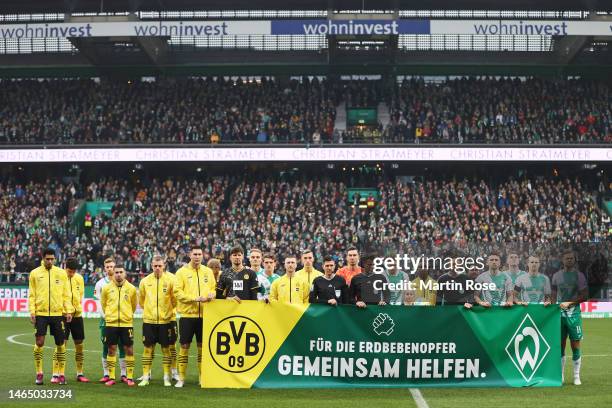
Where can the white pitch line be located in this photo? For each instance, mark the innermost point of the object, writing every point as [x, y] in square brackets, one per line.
[11, 339]
[418, 398]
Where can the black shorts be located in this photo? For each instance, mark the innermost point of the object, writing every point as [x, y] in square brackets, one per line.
[114, 335]
[174, 336]
[188, 326]
[56, 327]
[76, 327]
[157, 333]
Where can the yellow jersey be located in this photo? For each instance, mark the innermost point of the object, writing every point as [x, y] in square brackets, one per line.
[119, 304]
[156, 297]
[308, 276]
[49, 294]
[190, 284]
[77, 292]
[422, 295]
[290, 290]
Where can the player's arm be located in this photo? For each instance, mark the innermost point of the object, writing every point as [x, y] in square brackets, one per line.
[386, 293]
[68, 308]
[274, 290]
[305, 291]
[254, 291]
[509, 293]
[344, 293]
[516, 295]
[32, 297]
[313, 297]
[83, 286]
[179, 289]
[547, 291]
[173, 301]
[103, 300]
[134, 300]
[142, 293]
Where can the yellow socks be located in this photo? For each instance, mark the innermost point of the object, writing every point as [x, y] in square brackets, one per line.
[61, 359]
[129, 363]
[38, 359]
[166, 362]
[79, 357]
[147, 361]
[183, 359]
[173, 356]
[111, 363]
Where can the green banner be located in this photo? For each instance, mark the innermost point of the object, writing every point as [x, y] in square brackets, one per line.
[317, 346]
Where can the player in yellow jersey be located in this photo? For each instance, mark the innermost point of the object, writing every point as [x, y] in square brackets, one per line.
[308, 272]
[76, 326]
[156, 296]
[119, 301]
[49, 304]
[290, 288]
[195, 284]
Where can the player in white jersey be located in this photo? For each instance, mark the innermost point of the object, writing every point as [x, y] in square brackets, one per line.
[513, 267]
[532, 287]
[502, 294]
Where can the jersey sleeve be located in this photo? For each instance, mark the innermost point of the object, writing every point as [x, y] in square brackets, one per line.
[254, 289]
[274, 290]
[179, 289]
[134, 299]
[142, 293]
[547, 288]
[103, 298]
[68, 307]
[306, 291]
[32, 293]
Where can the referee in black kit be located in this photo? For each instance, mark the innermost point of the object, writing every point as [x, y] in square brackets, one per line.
[329, 288]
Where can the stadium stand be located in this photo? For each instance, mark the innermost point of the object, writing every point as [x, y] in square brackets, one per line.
[204, 111]
[285, 215]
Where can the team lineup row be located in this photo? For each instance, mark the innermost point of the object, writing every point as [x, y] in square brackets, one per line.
[55, 297]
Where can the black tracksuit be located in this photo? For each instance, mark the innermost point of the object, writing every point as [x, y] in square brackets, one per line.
[325, 289]
[362, 288]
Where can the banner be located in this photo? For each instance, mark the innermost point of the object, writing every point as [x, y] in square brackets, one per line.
[357, 27]
[258, 345]
[14, 302]
[306, 154]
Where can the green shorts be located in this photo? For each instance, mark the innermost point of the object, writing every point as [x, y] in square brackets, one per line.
[571, 325]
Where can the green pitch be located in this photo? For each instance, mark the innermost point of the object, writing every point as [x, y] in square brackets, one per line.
[17, 371]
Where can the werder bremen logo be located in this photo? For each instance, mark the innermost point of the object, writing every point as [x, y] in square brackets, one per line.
[527, 348]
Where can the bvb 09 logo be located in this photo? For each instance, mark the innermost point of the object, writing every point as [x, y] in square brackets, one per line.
[236, 344]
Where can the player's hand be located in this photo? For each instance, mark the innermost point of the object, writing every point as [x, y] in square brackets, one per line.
[467, 305]
[360, 304]
[565, 305]
[332, 302]
[69, 317]
[210, 297]
[236, 299]
[200, 299]
[33, 318]
[484, 304]
[507, 304]
[382, 303]
[522, 303]
[547, 303]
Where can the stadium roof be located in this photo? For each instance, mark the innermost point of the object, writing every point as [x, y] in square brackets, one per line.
[59, 6]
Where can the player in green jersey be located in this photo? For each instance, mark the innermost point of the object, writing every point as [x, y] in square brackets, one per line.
[569, 289]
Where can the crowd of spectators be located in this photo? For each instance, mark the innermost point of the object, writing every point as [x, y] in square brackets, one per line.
[165, 111]
[218, 110]
[470, 110]
[284, 215]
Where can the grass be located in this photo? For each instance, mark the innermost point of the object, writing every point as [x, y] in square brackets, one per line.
[17, 372]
